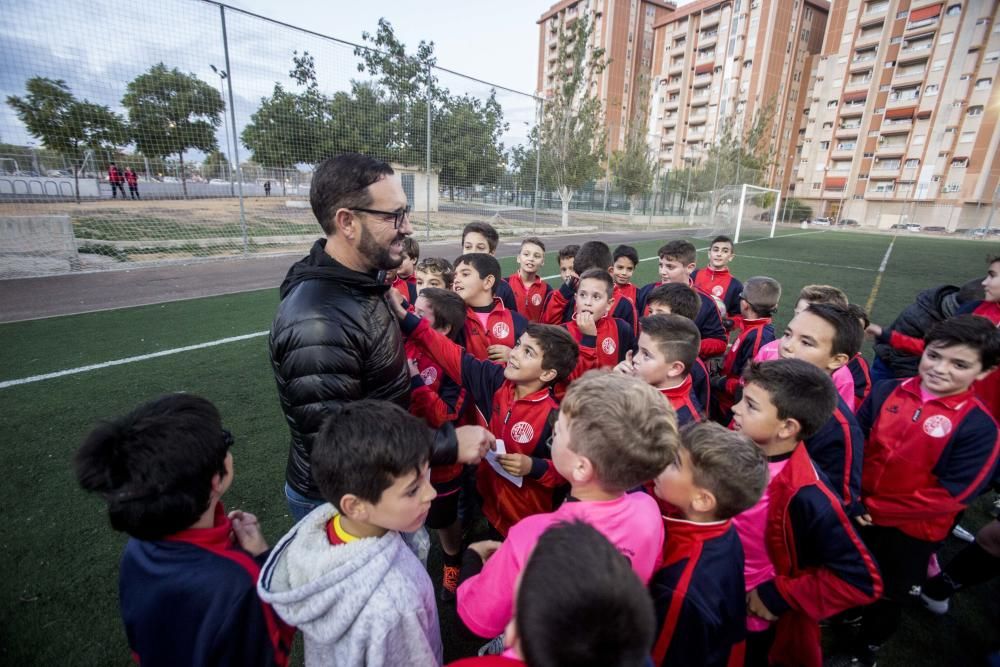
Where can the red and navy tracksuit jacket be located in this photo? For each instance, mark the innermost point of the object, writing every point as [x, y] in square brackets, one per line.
[407, 287]
[924, 461]
[506, 294]
[437, 399]
[700, 386]
[629, 291]
[699, 597]
[837, 449]
[862, 378]
[607, 348]
[684, 402]
[755, 334]
[720, 284]
[821, 565]
[708, 321]
[530, 299]
[191, 599]
[560, 305]
[524, 424]
[503, 327]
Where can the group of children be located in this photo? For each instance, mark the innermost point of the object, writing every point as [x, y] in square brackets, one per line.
[671, 480]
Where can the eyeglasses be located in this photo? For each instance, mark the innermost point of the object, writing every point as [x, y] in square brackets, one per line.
[398, 217]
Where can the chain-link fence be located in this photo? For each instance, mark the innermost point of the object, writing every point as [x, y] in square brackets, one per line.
[183, 129]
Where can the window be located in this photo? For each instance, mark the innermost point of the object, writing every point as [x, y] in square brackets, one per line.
[946, 38]
[938, 65]
[816, 186]
[877, 6]
[953, 10]
[912, 163]
[881, 186]
[931, 90]
[960, 162]
[991, 57]
[846, 145]
[967, 138]
[984, 84]
[824, 145]
[951, 187]
[868, 155]
[976, 110]
[828, 125]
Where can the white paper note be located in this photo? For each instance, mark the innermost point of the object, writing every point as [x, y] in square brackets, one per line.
[491, 458]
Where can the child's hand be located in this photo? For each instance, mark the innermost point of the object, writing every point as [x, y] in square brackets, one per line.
[756, 607]
[414, 368]
[485, 549]
[586, 323]
[498, 353]
[396, 302]
[873, 331]
[246, 532]
[864, 519]
[626, 367]
[515, 464]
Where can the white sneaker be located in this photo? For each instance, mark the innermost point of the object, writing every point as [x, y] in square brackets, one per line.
[962, 534]
[939, 607]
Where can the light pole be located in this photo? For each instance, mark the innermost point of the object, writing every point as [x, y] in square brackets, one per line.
[223, 75]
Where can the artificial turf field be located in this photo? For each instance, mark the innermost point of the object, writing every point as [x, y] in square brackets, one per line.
[58, 600]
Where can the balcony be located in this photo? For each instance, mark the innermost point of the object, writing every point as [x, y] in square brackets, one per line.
[868, 38]
[697, 118]
[678, 47]
[705, 56]
[699, 100]
[707, 39]
[873, 11]
[858, 84]
[884, 168]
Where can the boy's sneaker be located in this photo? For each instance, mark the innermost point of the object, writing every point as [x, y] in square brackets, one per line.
[865, 657]
[939, 607]
[936, 593]
[449, 583]
[492, 647]
[962, 534]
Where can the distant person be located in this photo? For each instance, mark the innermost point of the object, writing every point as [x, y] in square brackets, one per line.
[133, 183]
[267, 188]
[116, 179]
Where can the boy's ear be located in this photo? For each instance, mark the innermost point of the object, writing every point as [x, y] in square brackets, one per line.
[691, 267]
[837, 360]
[790, 428]
[704, 501]
[353, 508]
[676, 369]
[548, 375]
[489, 281]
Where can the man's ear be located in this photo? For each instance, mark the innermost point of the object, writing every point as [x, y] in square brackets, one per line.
[346, 223]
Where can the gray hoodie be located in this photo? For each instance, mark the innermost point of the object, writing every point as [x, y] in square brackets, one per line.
[368, 602]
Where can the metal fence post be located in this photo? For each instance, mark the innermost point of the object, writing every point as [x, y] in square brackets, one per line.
[538, 160]
[232, 117]
[428, 151]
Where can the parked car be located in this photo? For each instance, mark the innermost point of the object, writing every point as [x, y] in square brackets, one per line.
[912, 227]
[849, 222]
[821, 222]
[935, 228]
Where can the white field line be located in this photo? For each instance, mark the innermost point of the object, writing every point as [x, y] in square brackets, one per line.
[233, 339]
[878, 279]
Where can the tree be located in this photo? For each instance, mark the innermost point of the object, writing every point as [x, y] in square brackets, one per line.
[216, 165]
[631, 166]
[170, 112]
[62, 123]
[573, 137]
[466, 141]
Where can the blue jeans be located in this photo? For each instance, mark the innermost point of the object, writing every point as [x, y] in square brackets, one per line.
[298, 504]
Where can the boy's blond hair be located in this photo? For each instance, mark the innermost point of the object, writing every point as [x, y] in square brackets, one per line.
[823, 294]
[623, 426]
[727, 463]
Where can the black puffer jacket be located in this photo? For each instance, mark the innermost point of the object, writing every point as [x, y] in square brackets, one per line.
[930, 307]
[334, 340]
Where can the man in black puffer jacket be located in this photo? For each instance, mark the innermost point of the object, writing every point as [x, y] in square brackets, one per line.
[334, 338]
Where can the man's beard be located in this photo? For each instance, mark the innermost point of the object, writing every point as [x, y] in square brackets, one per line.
[379, 257]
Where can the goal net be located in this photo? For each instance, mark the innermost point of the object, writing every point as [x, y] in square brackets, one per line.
[742, 212]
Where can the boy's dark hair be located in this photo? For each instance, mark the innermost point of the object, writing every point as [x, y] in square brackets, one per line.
[342, 182]
[848, 334]
[762, 294]
[568, 251]
[485, 265]
[681, 299]
[798, 390]
[678, 250]
[595, 613]
[860, 314]
[154, 466]
[977, 332]
[534, 240]
[592, 255]
[970, 291]
[411, 248]
[484, 228]
[721, 238]
[559, 350]
[449, 309]
[364, 446]
[823, 294]
[601, 275]
[992, 258]
[626, 251]
[676, 337]
[437, 265]
[727, 463]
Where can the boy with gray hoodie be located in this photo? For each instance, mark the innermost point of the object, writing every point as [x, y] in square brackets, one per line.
[347, 575]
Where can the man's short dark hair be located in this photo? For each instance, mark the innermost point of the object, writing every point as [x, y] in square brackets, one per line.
[601, 275]
[342, 182]
[154, 466]
[680, 298]
[626, 251]
[675, 336]
[559, 350]
[592, 255]
[484, 228]
[798, 390]
[449, 309]
[595, 613]
[678, 250]
[721, 238]
[973, 330]
[534, 240]
[485, 265]
[848, 335]
[568, 251]
[364, 446]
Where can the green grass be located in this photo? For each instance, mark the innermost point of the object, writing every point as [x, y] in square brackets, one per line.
[59, 597]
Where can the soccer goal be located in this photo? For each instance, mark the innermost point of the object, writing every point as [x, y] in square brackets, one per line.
[742, 212]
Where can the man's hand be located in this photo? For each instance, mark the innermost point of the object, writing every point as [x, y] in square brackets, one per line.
[873, 331]
[396, 302]
[626, 367]
[756, 607]
[586, 323]
[485, 549]
[515, 464]
[498, 353]
[473, 441]
[246, 532]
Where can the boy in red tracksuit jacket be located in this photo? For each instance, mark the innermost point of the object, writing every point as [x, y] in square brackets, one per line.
[677, 261]
[676, 299]
[404, 278]
[803, 559]
[858, 366]
[626, 259]
[528, 287]
[716, 280]
[491, 330]
[698, 589]
[931, 448]
[604, 341]
[560, 305]
[758, 301]
[516, 404]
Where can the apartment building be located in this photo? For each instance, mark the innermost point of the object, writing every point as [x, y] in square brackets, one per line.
[901, 124]
[716, 63]
[624, 29]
